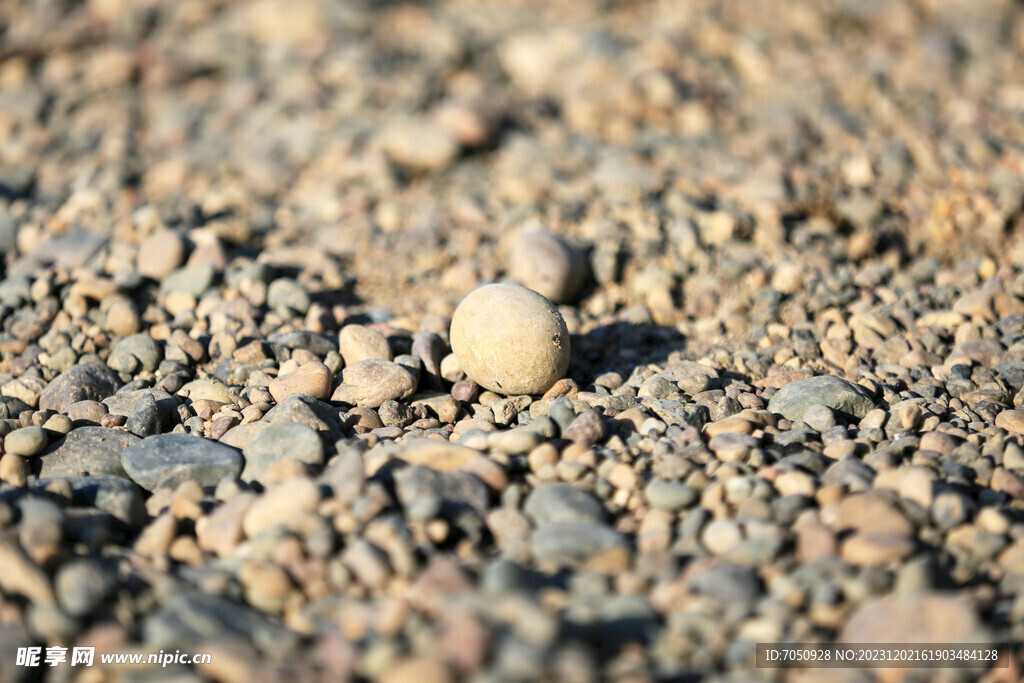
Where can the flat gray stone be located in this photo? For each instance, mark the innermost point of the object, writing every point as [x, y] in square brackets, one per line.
[117, 496]
[192, 280]
[727, 583]
[187, 619]
[280, 441]
[849, 400]
[87, 451]
[169, 459]
[670, 495]
[562, 503]
[570, 544]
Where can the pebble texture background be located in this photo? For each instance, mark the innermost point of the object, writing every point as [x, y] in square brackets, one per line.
[785, 239]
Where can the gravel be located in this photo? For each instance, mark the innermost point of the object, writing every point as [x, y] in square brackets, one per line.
[775, 391]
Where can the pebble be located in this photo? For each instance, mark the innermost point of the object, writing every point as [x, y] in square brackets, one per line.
[562, 503]
[876, 547]
[732, 446]
[420, 490]
[280, 441]
[145, 418]
[359, 343]
[418, 143]
[431, 349]
[160, 254]
[1011, 420]
[80, 383]
[87, 451]
[670, 495]
[369, 383]
[847, 399]
[87, 411]
[311, 378]
[514, 441]
[221, 531]
[305, 410]
[81, 587]
[448, 457]
[721, 536]
[549, 265]
[586, 429]
[139, 352]
[571, 544]
[27, 441]
[726, 583]
[872, 512]
[169, 459]
[510, 340]
[206, 390]
[921, 618]
[285, 505]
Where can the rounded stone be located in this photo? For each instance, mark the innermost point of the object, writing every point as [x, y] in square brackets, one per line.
[134, 353]
[358, 343]
[278, 442]
[26, 441]
[160, 253]
[169, 459]
[80, 383]
[562, 503]
[82, 586]
[312, 378]
[510, 339]
[549, 265]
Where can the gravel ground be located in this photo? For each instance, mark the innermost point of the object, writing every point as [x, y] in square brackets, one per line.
[784, 241]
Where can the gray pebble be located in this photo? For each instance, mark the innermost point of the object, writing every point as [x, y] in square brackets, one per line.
[670, 495]
[27, 441]
[139, 352]
[562, 503]
[280, 441]
[169, 459]
[80, 383]
[145, 417]
[847, 399]
[192, 280]
[82, 586]
[570, 544]
[727, 583]
[420, 491]
[87, 451]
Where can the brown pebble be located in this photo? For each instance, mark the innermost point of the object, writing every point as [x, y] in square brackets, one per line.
[14, 469]
[1010, 420]
[417, 670]
[312, 378]
[156, 537]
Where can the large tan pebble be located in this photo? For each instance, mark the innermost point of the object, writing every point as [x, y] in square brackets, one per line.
[160, 253]
[358, 343]
[549, 265]
[510, 339]
[370, 382]
[311, 378]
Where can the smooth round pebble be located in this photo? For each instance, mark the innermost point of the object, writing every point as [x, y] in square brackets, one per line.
[549, 265]
[510, 339]
[26, 441]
